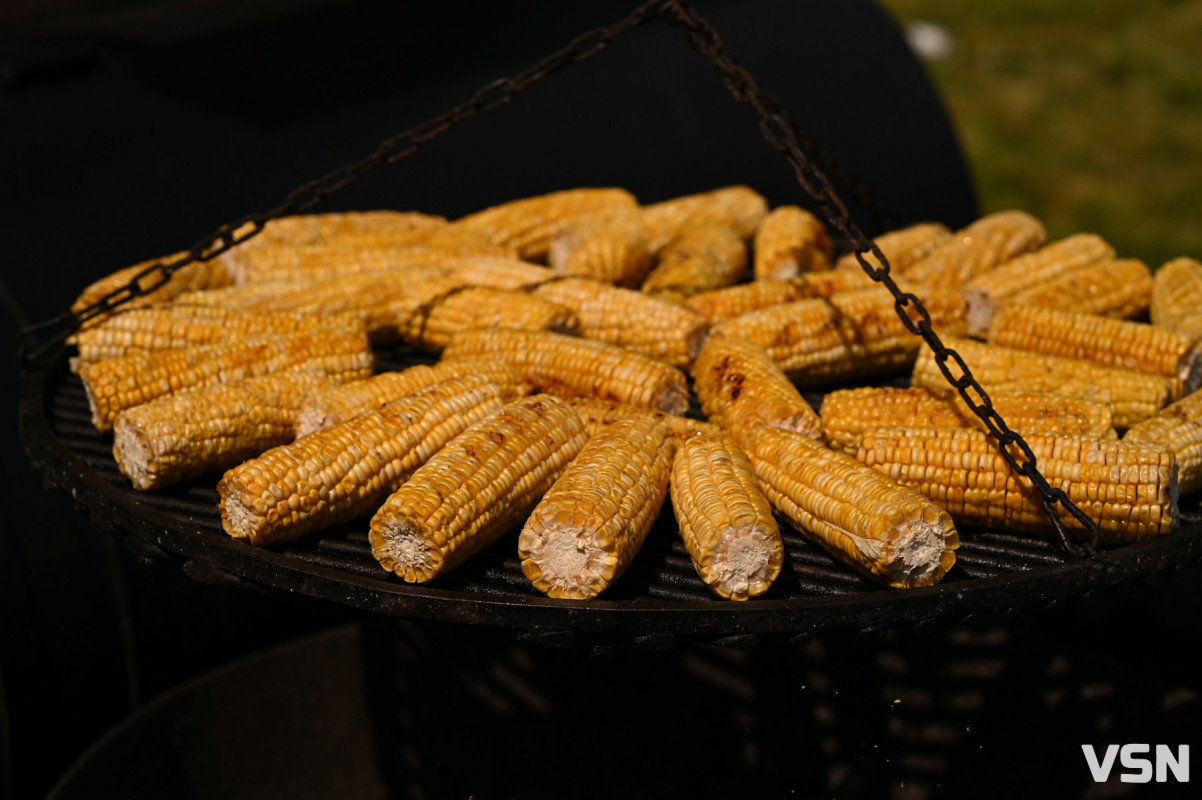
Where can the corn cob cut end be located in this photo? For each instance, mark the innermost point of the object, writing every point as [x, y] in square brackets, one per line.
[921, 552]
[399, 545]
[746, 561]
[563, 559]
[134, 453]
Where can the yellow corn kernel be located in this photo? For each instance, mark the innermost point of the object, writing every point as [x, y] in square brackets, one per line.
[435, 323]
[789, 242]
[725, 520]
[662, 330]
[1120, 289]
[739, 386]
[530, 224]
[116, 384]
[1128, 489]
[480, 486]
[1102, 340]
[847, 335]
[177, 437]
[1176, 302]
[611, 248]
[989, 292]
[698, 260]
[600, 414]
[849, 412]
[1179, 427]
[192, 277]
[588, 528]
[572, 367]
[736, 207]
[1132, 396]
[975, 250]
[886, 532]
[717, 305]
[347, 470]
[903, 248]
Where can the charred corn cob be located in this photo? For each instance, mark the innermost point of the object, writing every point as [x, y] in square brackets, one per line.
[339, 404]
[847, 335]
[886, 532]
[849, 412]
[725, 520]
[586, 531]
[903, 248]
[788, 242]
[193, 277]
[1121, 289]
[1102, 340]
[180, 436]
[432, 326]
[611, 248]
[989, 292]
[1179, 427]
[1177, 296]
[499, 273]
[565, 365]
[732, 301]
[1128, 489]
[478, 487]
[347, 470]
[631, 319]
[698, 260]
[978, 248]
[528, 225]
[735, 207]
[739, 386]
[1132, 396]
[116, 384]
[600, 414]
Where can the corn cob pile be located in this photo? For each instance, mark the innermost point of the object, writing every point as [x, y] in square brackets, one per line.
[577, 329]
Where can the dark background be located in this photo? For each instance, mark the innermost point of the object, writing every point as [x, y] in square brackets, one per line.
[130, 130]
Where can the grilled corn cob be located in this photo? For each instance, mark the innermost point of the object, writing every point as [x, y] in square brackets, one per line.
[886, 532]
[180, 436]
[725, 520]
[735, 207]
[790, 241]
[116, 384]
[611, 248]
[978, 248]
[740, 386]
[903, 248]
[432, 326]
[698, 260]
[600, 414]
[481, 485]
[499, 273]
[347, 470]
[1132, 396]
[1177, 296]
[587, 529]
[631, 319]
[334, 226]
[1102, 340]
[849, 412]
[1179, 427]
[1121, 289]
[528, 225]
[847, 335]
[565, 365]
[989, 292]
[192, 277]
[318, 261]
[732, 301]
[1128, 489]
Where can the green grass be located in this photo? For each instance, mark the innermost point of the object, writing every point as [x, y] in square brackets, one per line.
[1086, 113]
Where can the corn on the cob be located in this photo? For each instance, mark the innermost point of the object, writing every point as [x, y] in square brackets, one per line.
[847, 335]
[739, 386]
[989, 292]
[193, 277]
[334, 226]
[1177, 296]
[590, 525]
[725, 520]
[339, 404]
[611, 248]
[347, 470]
[732, 301]
[1102, 340]
[600, 414]
[1179, 427]
[698, 260]
[903, 248]
[631, 319]
[1128, 489]
[499, 273]
[978, 248]
[116, 384]
[180, 436]
[1132, 396]
[735, 207]
[849, 412]
[565, 365]
[528, 225]
[788, 242]
[432, 326]
[886, 532]
[481, 485]
[1121, 289]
